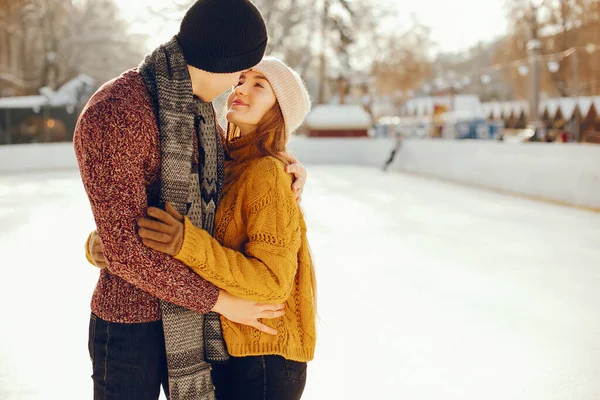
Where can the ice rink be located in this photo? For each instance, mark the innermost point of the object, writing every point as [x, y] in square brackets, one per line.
[427, 290]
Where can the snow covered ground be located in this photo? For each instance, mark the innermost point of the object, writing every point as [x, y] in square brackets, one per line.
[427, 290]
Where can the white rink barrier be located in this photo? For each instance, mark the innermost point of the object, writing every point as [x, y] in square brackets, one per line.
[52, 156]
[17, 158]
[349, 151]
[565, 173]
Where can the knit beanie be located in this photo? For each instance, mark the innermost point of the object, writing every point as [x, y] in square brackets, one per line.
[223, 36]
[289, 90]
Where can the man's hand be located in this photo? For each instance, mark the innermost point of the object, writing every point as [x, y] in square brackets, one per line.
[163, 231]
[297, 169]
[96, 251]
[247, 312]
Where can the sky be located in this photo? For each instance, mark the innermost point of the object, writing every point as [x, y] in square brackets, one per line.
[458, 24]
[455, 25]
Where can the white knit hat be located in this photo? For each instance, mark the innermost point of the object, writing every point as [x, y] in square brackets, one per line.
[289, 90]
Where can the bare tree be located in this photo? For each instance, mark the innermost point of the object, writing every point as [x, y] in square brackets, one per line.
[18, 74]
[402, 60]
[560, 25]
[59, 39]
[98, 43]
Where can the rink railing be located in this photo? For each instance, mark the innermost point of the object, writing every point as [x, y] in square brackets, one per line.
[561, 172]
[567, 173]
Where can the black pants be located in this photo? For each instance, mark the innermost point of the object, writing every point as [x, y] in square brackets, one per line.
[129, 361]
[259, 378]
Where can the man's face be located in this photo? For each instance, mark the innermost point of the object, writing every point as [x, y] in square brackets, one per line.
[223, 82]
[208, 86]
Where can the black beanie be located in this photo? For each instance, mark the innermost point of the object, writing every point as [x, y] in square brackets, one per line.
[223, 36]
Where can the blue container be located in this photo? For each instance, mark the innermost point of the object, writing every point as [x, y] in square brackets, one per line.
[496, 129]
[463, 130]
[471, 129]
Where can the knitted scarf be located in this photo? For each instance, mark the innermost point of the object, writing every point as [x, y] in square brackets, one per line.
[190, 338]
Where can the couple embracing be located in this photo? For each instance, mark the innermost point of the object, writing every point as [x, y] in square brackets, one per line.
[207, 286]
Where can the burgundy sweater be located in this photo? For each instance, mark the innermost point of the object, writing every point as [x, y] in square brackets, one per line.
[118, 151]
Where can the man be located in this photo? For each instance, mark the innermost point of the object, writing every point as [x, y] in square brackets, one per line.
[145, 138]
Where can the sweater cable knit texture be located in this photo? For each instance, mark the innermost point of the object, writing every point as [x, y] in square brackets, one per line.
[259, 252]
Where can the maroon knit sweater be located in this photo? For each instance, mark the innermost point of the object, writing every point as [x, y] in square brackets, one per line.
[118, 150]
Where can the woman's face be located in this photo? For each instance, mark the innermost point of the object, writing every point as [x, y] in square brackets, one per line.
[250, 100]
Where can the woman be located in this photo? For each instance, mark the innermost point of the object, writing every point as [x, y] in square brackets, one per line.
[259, 250]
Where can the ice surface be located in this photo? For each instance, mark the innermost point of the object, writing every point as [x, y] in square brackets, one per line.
[426, 290]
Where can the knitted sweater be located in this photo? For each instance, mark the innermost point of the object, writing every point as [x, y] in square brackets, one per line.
[259, 252]
[117, 146]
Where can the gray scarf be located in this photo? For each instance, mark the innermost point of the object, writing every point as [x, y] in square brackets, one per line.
[190, 338]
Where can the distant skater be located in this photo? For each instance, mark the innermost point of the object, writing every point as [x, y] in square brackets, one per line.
[395, 150]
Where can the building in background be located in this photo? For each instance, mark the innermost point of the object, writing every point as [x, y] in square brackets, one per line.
[338, 120]
[47, 117]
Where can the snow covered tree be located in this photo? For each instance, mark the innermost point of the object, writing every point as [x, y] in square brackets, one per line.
[57, 40]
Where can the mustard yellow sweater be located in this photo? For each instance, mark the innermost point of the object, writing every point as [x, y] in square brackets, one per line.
[259, 252]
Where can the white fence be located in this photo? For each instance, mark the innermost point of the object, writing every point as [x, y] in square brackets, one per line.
[568, 173]
[37, 157]
[356, 151]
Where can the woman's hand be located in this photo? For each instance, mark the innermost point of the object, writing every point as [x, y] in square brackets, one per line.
[96, 251]
[297, 169]
[164, 232]
[247, 312]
